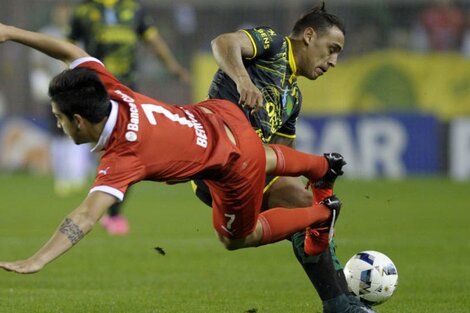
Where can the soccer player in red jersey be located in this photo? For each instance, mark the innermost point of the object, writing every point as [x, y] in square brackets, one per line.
[144, 139]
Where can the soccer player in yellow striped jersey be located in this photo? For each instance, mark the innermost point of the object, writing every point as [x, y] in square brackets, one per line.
[111, 29]
[258, 70]
[271, 68]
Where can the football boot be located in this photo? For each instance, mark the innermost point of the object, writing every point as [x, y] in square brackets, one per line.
[336, 162]
[317, 239]
[341, 304]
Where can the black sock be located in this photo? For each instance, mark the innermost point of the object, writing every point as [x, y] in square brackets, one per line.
[342, 283]
[319, 269]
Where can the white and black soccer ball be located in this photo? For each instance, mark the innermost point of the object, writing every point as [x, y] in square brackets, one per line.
[371, 276]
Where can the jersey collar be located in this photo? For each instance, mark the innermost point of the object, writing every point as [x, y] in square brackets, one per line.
[108, 128]
[292, 64]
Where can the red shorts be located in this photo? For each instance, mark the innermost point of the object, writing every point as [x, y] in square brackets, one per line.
[238, 193]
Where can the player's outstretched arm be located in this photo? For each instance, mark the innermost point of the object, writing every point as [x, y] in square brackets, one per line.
[162, 51]
[74, 227]
[54, 47]
[229, 50]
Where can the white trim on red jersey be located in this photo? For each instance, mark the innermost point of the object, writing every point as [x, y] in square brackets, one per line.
[109, 190]
[79, 61]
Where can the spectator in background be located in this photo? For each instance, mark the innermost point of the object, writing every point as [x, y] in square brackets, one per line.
[443, 26]
[372, 23]
[110, 31]
[70, 163]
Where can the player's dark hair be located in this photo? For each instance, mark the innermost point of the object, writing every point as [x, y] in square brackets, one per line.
[80, 91]
[320, 20]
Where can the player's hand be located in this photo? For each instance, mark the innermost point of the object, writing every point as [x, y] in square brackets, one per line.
[28, 266]
[250, 95]
[180, 72]
[184, 76]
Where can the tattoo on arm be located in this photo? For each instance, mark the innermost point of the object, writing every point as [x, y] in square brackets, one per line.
[71, 230]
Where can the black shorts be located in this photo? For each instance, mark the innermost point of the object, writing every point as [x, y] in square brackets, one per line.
[202, 191]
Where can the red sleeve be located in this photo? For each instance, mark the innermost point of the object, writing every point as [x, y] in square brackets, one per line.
[110, 82]
[116, 173]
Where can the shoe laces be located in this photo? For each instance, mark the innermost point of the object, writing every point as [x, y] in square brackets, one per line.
[332, 229]
[315, 232]
[308, 185]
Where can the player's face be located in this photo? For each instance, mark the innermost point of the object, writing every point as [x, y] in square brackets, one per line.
[70, 128]
[322, 53]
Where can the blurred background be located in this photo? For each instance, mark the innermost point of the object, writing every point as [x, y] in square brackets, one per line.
[397, 104]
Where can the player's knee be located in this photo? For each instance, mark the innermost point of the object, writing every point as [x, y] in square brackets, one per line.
[288, 192]
[230, 243]
[303, 198]
[291, 198]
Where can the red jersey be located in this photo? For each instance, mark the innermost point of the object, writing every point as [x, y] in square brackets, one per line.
[145, 139]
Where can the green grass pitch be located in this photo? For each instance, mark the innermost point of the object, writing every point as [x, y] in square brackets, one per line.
[422, 224]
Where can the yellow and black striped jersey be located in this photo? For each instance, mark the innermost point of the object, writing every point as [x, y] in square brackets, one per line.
[111, 32]
[272, 69]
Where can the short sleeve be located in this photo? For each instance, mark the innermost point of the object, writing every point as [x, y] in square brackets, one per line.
[265, 40]
[116, 173]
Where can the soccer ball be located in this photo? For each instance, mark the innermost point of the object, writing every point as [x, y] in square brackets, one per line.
[371, 276]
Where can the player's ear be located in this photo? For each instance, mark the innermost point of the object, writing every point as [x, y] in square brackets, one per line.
[309, 35]
[78, 121]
